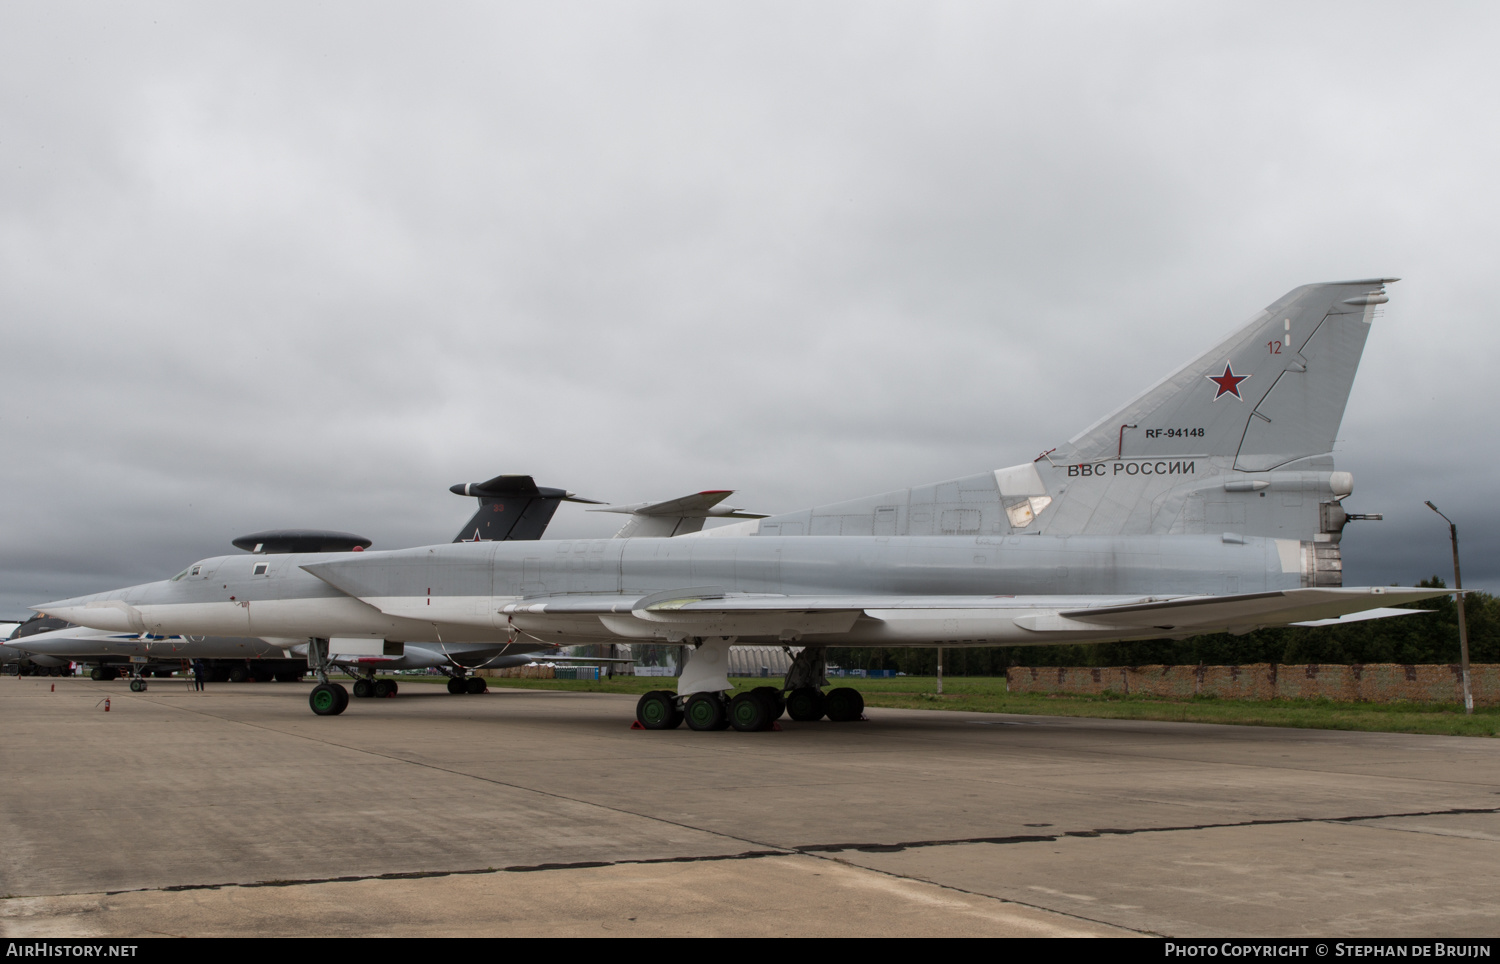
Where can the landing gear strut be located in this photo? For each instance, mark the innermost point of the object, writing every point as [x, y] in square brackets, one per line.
[326, 699]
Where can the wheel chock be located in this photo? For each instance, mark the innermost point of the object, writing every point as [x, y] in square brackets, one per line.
[775, 727]
[636, 725]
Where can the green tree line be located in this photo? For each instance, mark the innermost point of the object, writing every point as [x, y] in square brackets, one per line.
[1430, 637]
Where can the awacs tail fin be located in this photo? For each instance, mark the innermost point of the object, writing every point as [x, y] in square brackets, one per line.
[677, 517]
[511, 507]
[1269, 394]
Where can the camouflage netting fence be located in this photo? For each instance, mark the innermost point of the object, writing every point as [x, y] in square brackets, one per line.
[1371, 682]
[519, 672]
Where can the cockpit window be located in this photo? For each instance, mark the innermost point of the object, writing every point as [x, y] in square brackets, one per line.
[192, 570]
[179, 575]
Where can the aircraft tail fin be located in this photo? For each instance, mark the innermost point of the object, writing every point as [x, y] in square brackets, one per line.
[511, 507]
[1272, 392]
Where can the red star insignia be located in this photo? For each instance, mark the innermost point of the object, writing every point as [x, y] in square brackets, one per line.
[1229, 382]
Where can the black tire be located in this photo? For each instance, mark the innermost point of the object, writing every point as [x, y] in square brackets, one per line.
[137, 686]
[657, 710]
[239, 674]
[383, 688]
[325, 701]
[773, 699]
[476, 685]
[844, 705]
[363, 689]
[706, 711]
[456, 685]
[805, 705]
[343, 696]
[750, 712]
[394, 688]
[97, 674]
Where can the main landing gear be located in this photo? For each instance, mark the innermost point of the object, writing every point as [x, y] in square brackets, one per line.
[367, 687]
[758, 709]
[459, 684]
[747, 712]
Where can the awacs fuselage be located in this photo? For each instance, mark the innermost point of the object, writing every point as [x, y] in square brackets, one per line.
[952, 590]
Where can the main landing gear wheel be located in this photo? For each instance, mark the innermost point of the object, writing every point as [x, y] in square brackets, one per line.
[384, 688]
[706, 711]
[457, 685]
[137, 686]
[97, 675]
[749, 712]
[476, 684]
[657, 710]
[773, 699]
[844, 705]
[805, 705]
[328, 699]
[363, 689]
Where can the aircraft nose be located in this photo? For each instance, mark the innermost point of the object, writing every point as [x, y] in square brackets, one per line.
[37, 644]
[105, 610]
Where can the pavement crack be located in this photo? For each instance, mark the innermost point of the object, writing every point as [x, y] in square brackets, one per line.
[889, 848]
[427, 874]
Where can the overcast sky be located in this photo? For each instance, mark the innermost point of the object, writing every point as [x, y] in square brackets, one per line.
[269, 265]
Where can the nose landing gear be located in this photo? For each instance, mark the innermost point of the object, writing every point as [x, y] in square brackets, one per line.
[326, 699]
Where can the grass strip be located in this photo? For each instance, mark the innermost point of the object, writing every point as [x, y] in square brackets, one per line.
[978, 694]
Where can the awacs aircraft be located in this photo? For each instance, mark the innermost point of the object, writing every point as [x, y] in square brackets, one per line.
[510, 507]
[1208, 504]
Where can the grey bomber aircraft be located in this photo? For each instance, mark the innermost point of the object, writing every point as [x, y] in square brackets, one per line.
[1209, 503]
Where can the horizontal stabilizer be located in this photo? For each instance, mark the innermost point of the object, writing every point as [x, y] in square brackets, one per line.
[1236, 613]
[677, 517]
[516, 487]
[1360, 617]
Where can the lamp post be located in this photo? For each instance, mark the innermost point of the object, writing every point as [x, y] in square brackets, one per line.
[1463, 631]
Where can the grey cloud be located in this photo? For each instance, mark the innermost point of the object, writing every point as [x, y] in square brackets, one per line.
[277, 265]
